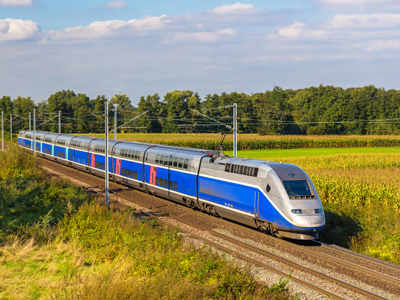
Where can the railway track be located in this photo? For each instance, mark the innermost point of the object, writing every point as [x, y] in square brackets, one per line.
[368, 270]
[214, 231]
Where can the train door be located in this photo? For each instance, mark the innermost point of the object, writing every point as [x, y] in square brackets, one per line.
[256, 203]
[170, 177]
[162, 178]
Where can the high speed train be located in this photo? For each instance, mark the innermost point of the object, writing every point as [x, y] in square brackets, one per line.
[277, 198]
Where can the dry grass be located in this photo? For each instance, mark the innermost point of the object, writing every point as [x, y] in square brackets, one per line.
[100, 254]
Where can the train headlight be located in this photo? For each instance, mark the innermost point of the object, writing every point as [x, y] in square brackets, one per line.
[297, 211]
[318, 210]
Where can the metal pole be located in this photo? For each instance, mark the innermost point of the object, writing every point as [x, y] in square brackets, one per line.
[115, 120]
[29, 121]
[234, 129]
[59, 121]
[10, 129]
[106, 164]
[2, 130]
[34, 131]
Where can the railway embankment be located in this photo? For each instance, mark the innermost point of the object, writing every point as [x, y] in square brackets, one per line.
[57, 242]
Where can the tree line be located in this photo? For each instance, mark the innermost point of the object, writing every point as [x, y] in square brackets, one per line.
[313, 110]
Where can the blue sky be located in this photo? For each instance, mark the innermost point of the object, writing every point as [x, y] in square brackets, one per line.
[145, 47]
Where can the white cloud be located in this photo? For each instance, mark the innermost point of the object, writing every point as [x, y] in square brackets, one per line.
[383, 45]
[201, 36]
[16, 2]
[237, 8]
[115, 4]
[362, 5]
[15, 29]
[293, 30]
[235, 47]
[297, 30]
[350, 2]
[109, 28]
[367, 21]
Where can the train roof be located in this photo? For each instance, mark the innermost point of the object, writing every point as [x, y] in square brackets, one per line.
[123, 143]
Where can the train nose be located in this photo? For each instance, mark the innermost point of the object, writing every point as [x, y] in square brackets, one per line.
[317, 220]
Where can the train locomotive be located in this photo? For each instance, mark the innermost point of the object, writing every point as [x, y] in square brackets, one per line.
[277, 198]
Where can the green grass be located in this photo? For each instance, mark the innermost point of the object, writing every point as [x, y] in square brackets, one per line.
[282, 153]
[51, 247]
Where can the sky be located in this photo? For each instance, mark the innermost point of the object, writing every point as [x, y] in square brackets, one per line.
[140, 48]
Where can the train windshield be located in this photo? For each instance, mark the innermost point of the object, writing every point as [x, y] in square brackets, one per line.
[296, 188]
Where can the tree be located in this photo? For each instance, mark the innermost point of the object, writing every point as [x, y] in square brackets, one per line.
[22, 106]
[275, 112]
[80, 107]
[96, 120]
[6, 106]
[125, 109]
[153, 118]
[177, 108]
[59, 101]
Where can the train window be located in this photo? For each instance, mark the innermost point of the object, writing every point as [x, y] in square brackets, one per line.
[186, 164]
[255, 173]
[166, 161]
[297, 188]
[162, 159]
[171, 160]
[157, 158]
[268, 189]
[180, 164]
[244, 170]
[175, 186]
[227, 167]
[165, 183]
[176, 161]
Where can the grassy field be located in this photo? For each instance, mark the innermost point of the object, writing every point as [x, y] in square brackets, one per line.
[299, 152]
[57, 243]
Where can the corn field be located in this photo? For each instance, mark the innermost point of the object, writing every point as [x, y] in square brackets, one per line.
[361, 197]
[258, 142]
